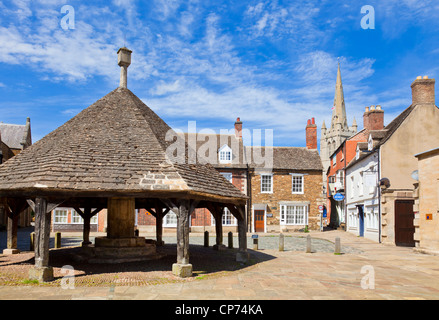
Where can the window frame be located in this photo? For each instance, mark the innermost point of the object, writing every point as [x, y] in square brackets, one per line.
[262, 182]
[296, 175]
[283, 218]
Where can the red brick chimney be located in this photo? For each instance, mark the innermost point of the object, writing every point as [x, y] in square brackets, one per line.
[423, 91]
[373, 118]
[311, 134]
[238, 128]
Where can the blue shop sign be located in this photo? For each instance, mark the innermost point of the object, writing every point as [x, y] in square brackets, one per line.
[338, 197]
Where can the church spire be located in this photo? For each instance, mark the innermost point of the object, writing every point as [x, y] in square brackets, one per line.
[339, 109]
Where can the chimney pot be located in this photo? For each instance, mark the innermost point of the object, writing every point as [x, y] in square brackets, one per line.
[367, 109]
[423, 91]
[313, 120]
[238, 128]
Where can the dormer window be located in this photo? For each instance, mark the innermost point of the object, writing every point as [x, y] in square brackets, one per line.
[225, 154]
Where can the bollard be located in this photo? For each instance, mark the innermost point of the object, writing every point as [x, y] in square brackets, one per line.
[337, 246]
[281, 242]
[230, 234]
[32, 242]
[255, 243]
[58, 240]
[308, 244]
[206, 239]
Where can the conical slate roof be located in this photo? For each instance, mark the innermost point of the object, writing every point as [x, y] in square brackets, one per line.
[117, 144]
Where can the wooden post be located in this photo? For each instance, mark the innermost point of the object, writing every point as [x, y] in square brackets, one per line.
[218, 230]
[42, 271]
[86, 230]
[182, 268]
[12, 233]
[242, 255]
[160, 212]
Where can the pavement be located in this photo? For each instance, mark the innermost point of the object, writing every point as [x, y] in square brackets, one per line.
[364, 271]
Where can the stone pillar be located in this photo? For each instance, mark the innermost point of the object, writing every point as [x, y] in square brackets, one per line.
[182, 268]
[120, 218]
[12, 234]
[41, 271]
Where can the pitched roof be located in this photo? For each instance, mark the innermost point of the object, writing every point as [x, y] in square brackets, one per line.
[394, 125]
[206, 143]
[14, 134]
[117, 144]
[294, 158]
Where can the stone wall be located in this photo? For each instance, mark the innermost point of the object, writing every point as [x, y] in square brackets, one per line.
[282, 191]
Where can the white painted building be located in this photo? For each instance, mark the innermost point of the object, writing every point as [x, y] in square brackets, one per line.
[362, 195]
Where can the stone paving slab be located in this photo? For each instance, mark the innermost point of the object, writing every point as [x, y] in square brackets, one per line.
[399, 273]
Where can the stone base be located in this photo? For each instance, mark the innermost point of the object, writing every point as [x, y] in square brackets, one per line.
[43, 274]
[182, 270]
[219, 247]
[120, 242]
[242, 257]
[11, 251]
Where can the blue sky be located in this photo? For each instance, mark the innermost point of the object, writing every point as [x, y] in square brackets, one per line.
[271, 63]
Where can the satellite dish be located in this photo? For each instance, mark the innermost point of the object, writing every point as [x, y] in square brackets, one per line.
[415, 175]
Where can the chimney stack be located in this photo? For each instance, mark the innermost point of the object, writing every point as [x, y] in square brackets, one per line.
[423, 91]
[124, 61]
[238, 128]
[311, 134]
[373, 118]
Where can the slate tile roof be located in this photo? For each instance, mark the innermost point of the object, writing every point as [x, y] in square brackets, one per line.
[117, 144]
[293, 158]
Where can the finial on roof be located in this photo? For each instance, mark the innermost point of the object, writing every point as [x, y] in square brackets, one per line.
[124, 61]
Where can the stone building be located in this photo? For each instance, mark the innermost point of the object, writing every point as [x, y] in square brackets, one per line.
[14, 138]
[426, 207]
[389, 156]
[286, 195]
[331, 138]
[81, 165]
[340, 160]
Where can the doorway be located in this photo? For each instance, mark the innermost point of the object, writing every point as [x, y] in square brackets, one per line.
[361, 220]
[404, 228]
[259, 220]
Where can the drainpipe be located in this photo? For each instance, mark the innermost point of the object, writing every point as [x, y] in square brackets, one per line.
[379, 196]
[249, 201]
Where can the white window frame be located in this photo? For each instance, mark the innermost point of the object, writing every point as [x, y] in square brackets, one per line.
[295, 175]
[169, 218]
[262, 182]
[75, 214]
[225, 154]
[58, 217]
[293, 221]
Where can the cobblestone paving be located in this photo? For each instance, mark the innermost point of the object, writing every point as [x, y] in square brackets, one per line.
[398, 273]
